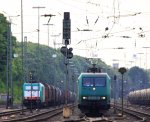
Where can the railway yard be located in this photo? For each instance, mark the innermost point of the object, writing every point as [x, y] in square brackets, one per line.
[131, 113]
[89, 69]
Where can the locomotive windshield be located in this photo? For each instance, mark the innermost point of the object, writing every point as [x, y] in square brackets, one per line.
[100, 81]
[94, 81]
[88, 82]
[29, 87]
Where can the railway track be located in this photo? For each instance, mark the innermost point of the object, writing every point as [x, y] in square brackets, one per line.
[142, 116]
[11, 112]
[40, 116]
[55, 113]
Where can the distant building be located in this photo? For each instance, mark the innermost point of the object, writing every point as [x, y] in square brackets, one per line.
[115, 65]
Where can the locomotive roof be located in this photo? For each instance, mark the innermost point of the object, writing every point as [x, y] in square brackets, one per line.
[32, 83]
[96, 74]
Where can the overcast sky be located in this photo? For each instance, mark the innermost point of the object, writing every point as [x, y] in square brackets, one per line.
[124, 23]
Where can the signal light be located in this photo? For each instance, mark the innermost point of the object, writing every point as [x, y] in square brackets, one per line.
[63, 50]
[66, 15]
[67, 41]
[67, 54]
[30, 76]
[66, 28]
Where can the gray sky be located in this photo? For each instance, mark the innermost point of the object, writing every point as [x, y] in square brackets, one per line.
[118, 19]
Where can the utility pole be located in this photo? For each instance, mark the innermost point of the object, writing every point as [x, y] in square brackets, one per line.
[9, 65]
[55, 40]
[25, 59]
[48, 15]
[140, 58]
[38, 22]
[146, 64]
[22, 53]
[10, 62]
[31, 78]
[38, 73]
[115, 78]
[48, 31]
[146, 56]
[7, 104]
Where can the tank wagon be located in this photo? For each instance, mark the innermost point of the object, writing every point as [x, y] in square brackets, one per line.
[140, 97]
[43, 94]
[93, 91]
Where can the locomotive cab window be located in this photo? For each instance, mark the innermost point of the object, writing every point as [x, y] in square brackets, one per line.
[88, 82]
[100, 81]
[35, 88]
[27, 87]
[94, 81]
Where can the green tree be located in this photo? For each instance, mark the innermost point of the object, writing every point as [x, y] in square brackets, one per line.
[138, 75]
[3, 45]
[5, 37]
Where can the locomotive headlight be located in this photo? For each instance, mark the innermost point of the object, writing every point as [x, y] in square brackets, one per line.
[84, 98]
[103, 98]
[94, 89]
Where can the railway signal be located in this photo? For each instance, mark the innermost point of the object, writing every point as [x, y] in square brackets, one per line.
[115, 78]
[122, 70]
[66, 28]
[66, 52]
[63, 50]
[68, 55]
[31, 76]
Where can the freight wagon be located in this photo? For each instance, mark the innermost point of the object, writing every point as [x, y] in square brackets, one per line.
[42, 94]
[140, 97]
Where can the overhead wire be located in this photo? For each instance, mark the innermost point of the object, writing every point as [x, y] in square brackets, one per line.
[107, 30]
[116, 17]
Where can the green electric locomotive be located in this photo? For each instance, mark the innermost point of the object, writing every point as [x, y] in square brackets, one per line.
[93, 91]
